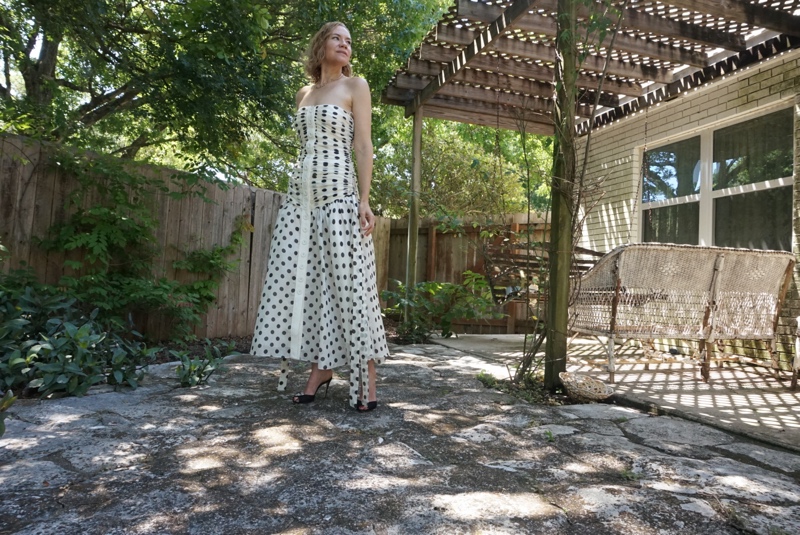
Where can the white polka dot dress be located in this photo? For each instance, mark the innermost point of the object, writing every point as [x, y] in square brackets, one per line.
[320, 299]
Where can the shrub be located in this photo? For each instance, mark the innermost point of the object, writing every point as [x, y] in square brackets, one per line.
[434, 306]
[49, 345]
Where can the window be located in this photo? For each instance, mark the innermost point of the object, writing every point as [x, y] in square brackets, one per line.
[670, 186]
[740, 195]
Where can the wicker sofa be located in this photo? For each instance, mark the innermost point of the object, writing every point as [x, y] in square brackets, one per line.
[665, 291]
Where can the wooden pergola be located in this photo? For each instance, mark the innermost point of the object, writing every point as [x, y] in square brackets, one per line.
[487, 62]
[492, 63]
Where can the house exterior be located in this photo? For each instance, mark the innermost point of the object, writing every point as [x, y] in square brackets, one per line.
[717, 165]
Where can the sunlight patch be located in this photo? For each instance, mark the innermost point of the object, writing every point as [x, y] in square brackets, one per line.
[482, 505]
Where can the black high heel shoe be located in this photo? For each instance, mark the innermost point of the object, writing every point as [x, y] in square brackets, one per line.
[299, 399]
[370, 406]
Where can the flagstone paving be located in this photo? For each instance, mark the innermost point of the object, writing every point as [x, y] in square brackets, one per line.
[441, 454]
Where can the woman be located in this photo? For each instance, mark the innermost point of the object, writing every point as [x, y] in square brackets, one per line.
[320, 300]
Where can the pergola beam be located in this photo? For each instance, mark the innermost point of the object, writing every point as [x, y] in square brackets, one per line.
[472, 107]
[481, 42]
[438, 108]
[528, 70]
[501, 83]
[632, 19]
[397, 96]
[744, 12]
[524, 49]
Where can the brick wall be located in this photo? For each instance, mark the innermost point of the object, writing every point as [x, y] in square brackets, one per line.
[615, 155]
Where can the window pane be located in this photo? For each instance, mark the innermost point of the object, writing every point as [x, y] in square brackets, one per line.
[756, 220]
[672, 171]
[754, 151]
[672, 224]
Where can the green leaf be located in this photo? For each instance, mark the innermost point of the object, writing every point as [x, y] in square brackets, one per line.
[36, 383]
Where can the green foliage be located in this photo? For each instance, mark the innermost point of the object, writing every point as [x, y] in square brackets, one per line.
[488, 380]
[630, 475]
[549, 436]
[468, 171]
[196, 371]
[49, 345]
[597, 27]
[434, 305]
[7, 400]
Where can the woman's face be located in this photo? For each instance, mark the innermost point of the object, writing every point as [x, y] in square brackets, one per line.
[337, 47]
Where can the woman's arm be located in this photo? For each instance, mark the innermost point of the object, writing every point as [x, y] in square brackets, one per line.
[362, 145]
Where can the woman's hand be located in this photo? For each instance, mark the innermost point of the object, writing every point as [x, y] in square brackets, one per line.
[366, 218]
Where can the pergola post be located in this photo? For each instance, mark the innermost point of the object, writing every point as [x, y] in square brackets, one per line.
[413, 209]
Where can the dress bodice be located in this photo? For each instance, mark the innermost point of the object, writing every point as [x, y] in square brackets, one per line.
[324, 170]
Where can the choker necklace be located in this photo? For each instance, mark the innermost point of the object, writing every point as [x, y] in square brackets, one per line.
[320, 85]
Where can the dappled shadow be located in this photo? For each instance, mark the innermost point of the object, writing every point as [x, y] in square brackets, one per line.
[441, 454]
[739, 398]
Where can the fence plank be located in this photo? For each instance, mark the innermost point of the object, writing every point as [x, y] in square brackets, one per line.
[169, 219]
[26, 199]
[238, 309]
[42, 211]
[55, 259]
[159, 208]
[266, 213]
[225, 225]
[10, 169]
[17, 197]
[382, 239]
[262, 203]
[237, 206]
[204, 225]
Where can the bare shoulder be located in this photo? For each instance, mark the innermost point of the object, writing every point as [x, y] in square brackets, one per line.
[302, 94]
[358, 84]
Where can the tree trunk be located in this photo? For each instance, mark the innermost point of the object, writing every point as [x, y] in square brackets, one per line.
[563, 182]
[40, 75]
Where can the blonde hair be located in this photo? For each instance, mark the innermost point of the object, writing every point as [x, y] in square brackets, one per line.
[316, 52]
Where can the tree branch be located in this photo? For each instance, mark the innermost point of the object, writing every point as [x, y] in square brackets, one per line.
[38, 73]
[125, 102]
[99, 100]
[144, 140]
[71, 85]
[31, 41]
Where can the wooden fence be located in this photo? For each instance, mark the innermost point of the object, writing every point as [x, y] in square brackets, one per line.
[34, 194]
[444, 255]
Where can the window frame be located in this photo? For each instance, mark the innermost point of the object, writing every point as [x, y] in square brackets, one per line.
[707, 195]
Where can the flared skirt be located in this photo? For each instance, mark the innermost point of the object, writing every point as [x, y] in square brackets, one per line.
[320, 301]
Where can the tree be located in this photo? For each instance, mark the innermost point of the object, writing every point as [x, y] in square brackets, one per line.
[467, 170]
[563, 185]
[117, 76]
[568, 179]
[175, 82]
